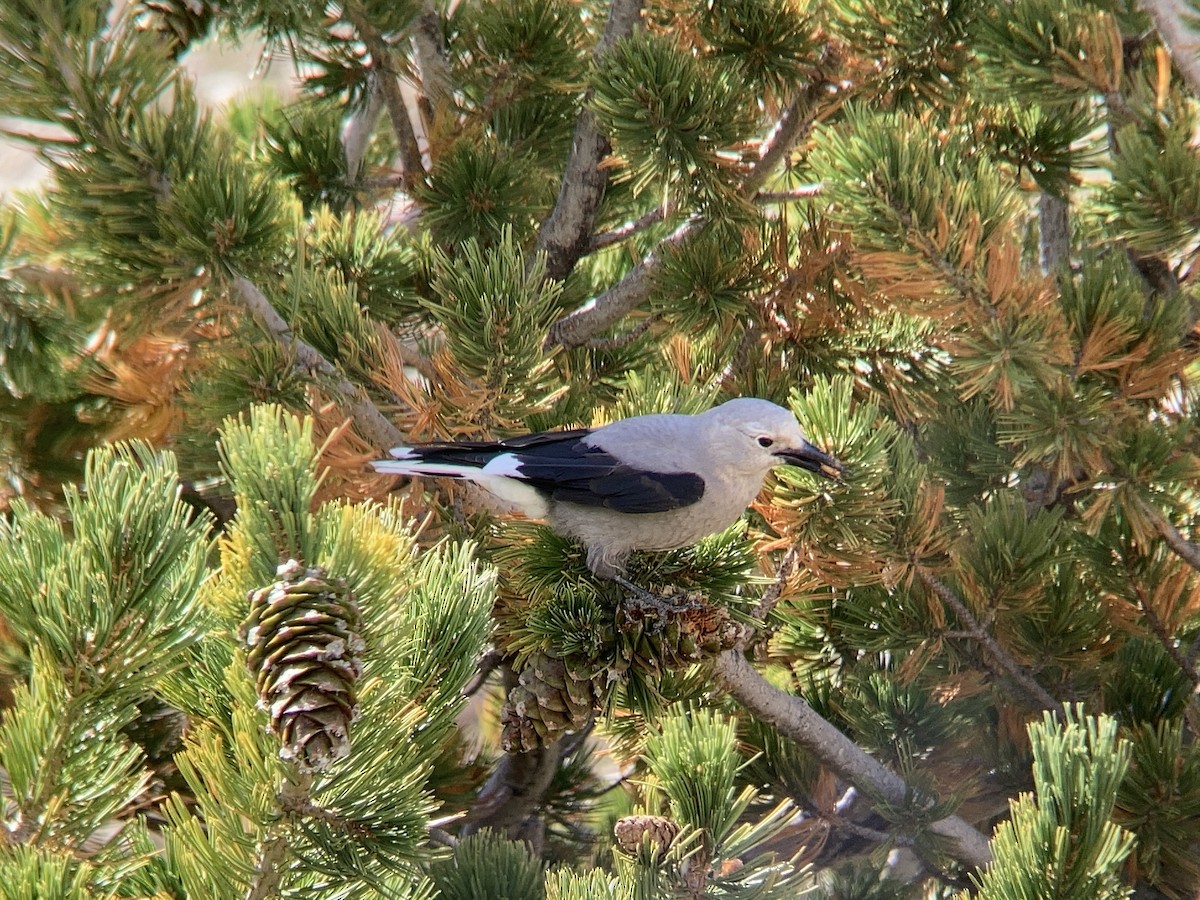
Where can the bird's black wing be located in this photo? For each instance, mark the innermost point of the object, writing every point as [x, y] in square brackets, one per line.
[564, 467]
[574, 471]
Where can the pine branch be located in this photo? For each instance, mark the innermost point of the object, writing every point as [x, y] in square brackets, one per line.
[514, 790]
[1176, 23]
[937, 256]
[803, 192]
[370, 422]
[653, 217]
[795, 719]
[389, 83]
[997, 655]
[275, 853]
[770, 597]
[797, 121]
[622, 340]
[265, 882]
[566, 234]
[1167, 640]
[1054, 227]
[1188, 551]
[661, 212]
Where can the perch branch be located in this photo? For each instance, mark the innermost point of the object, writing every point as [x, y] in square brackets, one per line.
[795, 719]
[370, 422]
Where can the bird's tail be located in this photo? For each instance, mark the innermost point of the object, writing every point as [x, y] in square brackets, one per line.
[460, 460]
[497, 472]
[419, 461]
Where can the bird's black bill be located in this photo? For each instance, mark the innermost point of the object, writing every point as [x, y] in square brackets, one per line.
[806, 456]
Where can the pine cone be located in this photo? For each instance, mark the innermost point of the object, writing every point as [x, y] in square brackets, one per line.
[674, 633]
[553, 695]
[303, 647]
[180, 22]
[634, 832]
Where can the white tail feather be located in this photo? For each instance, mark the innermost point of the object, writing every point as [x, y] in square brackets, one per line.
[416, 467]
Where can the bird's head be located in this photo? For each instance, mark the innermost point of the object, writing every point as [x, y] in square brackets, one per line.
[758, 435]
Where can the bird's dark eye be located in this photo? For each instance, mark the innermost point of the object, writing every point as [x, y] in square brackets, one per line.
[765, 442]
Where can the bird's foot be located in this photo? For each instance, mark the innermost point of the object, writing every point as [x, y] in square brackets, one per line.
[637, 590]
[645, 604]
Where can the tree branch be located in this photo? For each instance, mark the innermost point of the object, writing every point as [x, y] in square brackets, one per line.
[663, 211]
[656, 215]
[389, 83]
[567, 232]
[576, 328]
[368, 420]
[794, 718]
[514, 790]
[1175, 21]
[1188, 551]
[770, 597]
[1167, 640]
[802, 192]
[436, 80]
[1033, 691]
[1054, 228]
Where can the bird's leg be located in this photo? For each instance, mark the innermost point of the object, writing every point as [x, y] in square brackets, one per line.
[637, 590]
[664, 606]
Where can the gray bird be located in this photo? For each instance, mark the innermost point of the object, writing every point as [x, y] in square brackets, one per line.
[652, 482]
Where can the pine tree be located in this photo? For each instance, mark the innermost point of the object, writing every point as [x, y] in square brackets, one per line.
[957, 238]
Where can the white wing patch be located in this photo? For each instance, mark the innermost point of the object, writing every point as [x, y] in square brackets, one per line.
[506, 464]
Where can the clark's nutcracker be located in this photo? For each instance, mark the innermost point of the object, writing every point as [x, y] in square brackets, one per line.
[646, 483]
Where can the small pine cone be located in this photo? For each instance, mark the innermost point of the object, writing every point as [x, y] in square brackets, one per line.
[303, 648]
[674, 632]
[635, 832]
[553, 696]
[180, 22]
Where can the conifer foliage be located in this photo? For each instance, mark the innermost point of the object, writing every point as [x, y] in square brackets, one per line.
[958, 238]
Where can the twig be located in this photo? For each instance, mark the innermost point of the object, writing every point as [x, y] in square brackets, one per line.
[487, 665]
[794, 718]
[1175, 21]
[576, 328]
[565, 235]
[1188, 551]
[389, 83]
[656, 215]
[803, 192]
[1167, 640]
[383, 182]
[794, 125]
[999, 656]
[370, 422]
[771, 595]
